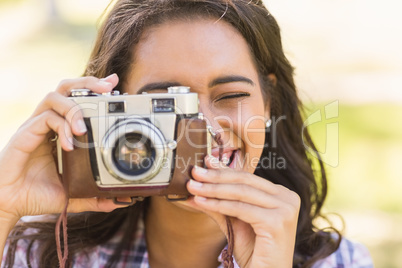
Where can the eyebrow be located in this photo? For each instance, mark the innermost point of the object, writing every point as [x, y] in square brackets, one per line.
[215, 82]
[230, 79]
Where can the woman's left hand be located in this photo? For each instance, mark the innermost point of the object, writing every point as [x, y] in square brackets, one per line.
[264, 215]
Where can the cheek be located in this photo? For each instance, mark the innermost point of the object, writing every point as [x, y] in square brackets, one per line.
[253, 126]
[253, 132]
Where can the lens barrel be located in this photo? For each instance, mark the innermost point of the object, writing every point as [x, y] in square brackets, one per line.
[133, 150]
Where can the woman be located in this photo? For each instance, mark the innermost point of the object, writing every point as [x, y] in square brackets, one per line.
[230, 53]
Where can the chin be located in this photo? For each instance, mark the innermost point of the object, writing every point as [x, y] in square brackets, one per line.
[184, 205]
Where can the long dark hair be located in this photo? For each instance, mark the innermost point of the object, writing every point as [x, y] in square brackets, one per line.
[113, 53]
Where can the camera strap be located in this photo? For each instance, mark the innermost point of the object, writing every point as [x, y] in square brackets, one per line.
[227, 253]
[62, 220]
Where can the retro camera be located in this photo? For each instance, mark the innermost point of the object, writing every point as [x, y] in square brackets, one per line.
[136, 145]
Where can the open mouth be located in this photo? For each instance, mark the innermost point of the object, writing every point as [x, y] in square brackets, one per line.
[229, 157]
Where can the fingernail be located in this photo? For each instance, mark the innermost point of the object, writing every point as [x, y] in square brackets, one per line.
[104, 83]
[81, 126]
[70, 143]
[200, 170]
[107, 77]
[195, 184]
[200, 198]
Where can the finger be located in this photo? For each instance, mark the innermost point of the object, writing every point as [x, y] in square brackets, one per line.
[88, 82]
[228, 175]
[65, 108]
[93, 204]
[224, 174]
[243, 211]
[34, 131]
[29, 137]
[259, 218]
[240, 192]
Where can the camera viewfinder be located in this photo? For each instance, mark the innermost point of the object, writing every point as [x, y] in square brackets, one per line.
[163, 105]
[116, 107]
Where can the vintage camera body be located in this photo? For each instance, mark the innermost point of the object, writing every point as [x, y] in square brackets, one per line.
[136, 145]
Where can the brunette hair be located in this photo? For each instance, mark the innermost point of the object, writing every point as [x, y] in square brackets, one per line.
[122, 29]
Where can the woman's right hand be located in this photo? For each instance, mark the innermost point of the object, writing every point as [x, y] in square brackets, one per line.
[29, 181]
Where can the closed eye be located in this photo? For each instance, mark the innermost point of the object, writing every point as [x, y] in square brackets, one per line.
[232, 96]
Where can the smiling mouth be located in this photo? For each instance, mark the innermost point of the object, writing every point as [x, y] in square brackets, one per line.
[229, 157]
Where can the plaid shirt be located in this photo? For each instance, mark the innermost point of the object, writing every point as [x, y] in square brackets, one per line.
[349, 255]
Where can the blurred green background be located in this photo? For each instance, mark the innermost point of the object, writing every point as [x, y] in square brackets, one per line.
[346, 52]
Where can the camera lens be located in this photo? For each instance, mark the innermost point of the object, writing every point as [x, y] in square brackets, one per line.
[133, 150]
[133, 154]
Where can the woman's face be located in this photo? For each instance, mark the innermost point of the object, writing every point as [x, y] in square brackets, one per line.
[214, 60]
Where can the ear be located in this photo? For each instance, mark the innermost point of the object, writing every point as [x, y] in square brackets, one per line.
[267, 114]
[272, 78]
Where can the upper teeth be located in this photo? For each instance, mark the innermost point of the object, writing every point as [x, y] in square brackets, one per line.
[225, 158]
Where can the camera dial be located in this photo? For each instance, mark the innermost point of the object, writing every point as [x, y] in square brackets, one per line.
[83, 92]
[178, 90]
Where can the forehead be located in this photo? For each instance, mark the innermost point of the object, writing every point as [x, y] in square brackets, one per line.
[190, 50]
